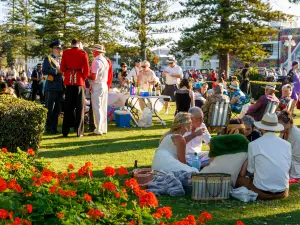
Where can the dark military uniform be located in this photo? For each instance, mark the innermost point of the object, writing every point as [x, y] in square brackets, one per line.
[36, 86]
[53, 90]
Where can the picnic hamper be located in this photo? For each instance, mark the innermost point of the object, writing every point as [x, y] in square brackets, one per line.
[211, 186]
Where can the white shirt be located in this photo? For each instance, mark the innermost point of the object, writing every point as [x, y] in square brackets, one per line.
[133, 74]
[100, 67]
[284, 73]
[269, 158]
[195, 145]
[294, 140]
[12, 74]
[170, 80]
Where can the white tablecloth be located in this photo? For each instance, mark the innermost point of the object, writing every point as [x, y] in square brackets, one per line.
[116, 99]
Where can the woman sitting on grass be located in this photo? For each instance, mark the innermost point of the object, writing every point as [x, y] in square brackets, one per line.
[291, 133]
[170, 155]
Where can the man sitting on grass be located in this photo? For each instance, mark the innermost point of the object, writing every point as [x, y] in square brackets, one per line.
[269, 160]
[193, 141]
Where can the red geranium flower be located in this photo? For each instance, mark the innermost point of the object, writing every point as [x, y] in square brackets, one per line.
[29, 208]
[11, 215]
[88, 164]
[207, 215]
[94, 214]
[109, 171]
[4, 150]
[30, 151]
[117, 194]
[3, 185]
[156, 215]
[165, 212]
[132, 222]
[3, 214]
[239, 223]
[109, 186]
[87, 197]
[17, 221]
[132, 184]
[148, 199]
[191, 220]
[60, 215]
[72, 176]
[26, 222]
[71, 167]
[122, 171]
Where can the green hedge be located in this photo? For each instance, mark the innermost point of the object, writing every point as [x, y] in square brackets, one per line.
[257, 88]
[21, 123]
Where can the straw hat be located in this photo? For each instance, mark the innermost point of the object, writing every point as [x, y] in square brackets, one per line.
[271, 87]
[98, 48]
[235, 85]
[269, 122]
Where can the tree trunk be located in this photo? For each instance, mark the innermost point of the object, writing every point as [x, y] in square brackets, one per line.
[143, 30]
[26, 35]
[224, 27]
[224, 64]
[97, 20]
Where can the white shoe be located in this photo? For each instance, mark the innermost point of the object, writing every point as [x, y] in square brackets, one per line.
[166, 112]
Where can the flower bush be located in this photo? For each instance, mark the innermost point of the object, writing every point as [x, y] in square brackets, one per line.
[32, 193]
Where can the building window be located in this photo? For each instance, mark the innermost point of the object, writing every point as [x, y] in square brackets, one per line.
[194, 63]
[268, 48]
[188, 63]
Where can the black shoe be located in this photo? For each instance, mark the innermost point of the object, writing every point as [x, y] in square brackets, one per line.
[48, 131]
[65, 135]
[56, 132]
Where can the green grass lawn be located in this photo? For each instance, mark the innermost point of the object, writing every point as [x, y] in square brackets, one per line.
[120, 147]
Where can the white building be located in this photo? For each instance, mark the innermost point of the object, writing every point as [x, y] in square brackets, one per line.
[32, 62]
[189, 62]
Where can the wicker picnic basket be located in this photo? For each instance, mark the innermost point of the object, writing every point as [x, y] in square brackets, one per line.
[211, 186]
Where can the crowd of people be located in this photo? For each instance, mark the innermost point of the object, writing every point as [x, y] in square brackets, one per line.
[244, 148]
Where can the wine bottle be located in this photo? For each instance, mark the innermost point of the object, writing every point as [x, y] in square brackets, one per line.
[153, 91]
[134, 168]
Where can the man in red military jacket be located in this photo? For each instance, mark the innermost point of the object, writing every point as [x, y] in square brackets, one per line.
[75, 66]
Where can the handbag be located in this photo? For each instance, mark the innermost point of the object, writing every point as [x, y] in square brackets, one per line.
[298, 104]
[211, 186]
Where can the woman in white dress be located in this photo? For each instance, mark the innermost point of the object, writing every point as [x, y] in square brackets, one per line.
[170, 155]
[291, 133]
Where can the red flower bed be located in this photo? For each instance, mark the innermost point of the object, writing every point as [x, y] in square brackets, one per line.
[32, 193]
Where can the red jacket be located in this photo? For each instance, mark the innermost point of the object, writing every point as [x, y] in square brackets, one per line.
[110, 73]
[75, 66]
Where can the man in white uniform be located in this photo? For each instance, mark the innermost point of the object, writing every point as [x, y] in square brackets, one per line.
[12, 75]
[194, 140]
[269, 162]
[99, 92]
[134, 73]
[173, 74]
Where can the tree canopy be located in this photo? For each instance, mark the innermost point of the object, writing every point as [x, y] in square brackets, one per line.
[227, 27]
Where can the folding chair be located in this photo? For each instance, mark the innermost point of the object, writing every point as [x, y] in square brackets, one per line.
[219, 115]
[271, 107]
[235, 113]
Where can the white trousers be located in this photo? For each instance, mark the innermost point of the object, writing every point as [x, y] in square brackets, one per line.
[99, 103]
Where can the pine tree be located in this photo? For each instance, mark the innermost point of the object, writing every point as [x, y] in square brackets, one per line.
[140, 16]
[225, 27]
[100, 22]
[18, 32]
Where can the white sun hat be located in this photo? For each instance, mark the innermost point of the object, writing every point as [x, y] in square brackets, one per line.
[269, 122]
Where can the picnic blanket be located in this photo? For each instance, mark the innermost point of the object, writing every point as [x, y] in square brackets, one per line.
[170, 184]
